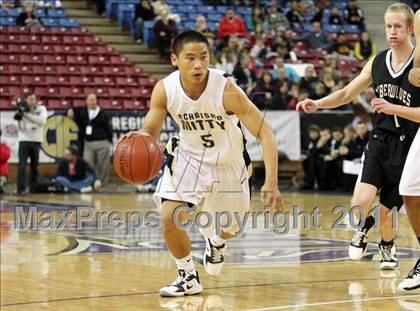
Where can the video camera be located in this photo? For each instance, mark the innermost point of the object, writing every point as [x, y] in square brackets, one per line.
[22, 107]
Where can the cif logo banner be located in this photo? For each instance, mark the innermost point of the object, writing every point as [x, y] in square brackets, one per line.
[59, 132]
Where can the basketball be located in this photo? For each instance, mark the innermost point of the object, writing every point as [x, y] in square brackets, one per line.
[137, 159]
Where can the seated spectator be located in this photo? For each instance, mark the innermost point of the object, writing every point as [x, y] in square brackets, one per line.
[365, 98]
[234, 48]
[319, 13]
[335, 17]
[309, 159]
[294, 16]
[319, 91]
[231, 25]
[143, 12]
[74, 174]
[308, 81]
[352, 149]
[56, 4]
[201, 26]
[333, 162]
[365, 48]
[4, 165]
[283, 47]
[290, 73]
[259, 50]
[257, 16]
[8, 4]
[27, 17]
[99, 6]
[212, 54]
[165, 30]
[342, 46]
[244, 73]
[277, 21]
[263, 91]
[161, 5]
[295, 95]
[354, 15]
[279, 75]
[224, 62]
[361, 115]
[328, 78]
[317, 39]
[280, 97]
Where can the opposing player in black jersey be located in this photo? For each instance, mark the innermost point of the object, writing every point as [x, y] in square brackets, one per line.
[390, 140]
[410, 179]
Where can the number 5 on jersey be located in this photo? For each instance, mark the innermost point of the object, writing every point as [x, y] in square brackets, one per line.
[207, 142]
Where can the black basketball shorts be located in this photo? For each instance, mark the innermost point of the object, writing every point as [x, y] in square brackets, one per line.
[382, 165]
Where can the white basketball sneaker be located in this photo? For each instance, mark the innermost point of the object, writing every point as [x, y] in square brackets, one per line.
[413, 279]
[389, 260]
[213, 258]
[185, 284]
[358, 245]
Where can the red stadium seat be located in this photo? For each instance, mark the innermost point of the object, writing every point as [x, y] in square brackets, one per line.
[56, 80]
[47, 39]
[115, 104]
[119, 92]
[79, 102]
[126, 81]
[133, 105]
[72, 40]
[11, 59]
[54, 60]
[103, 81]
[113, 71]
[73, 59]
[9, 80]
[58, 104]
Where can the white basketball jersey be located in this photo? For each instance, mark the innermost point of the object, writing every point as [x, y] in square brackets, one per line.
[207, 133]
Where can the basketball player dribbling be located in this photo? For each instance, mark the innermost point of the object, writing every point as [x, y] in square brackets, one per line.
[410, 178]
[391, 138]
[208, 169]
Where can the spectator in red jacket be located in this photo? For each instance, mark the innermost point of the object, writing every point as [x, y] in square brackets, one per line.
[4, 166]
[231, 25]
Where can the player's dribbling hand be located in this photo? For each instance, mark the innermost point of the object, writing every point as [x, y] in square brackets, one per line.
[271, 196]
[307, 105]
[382, 106]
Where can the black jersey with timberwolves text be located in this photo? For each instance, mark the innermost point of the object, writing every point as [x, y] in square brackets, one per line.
[395, 88]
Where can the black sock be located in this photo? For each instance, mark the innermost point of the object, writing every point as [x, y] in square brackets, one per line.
[369, 222]
[418, 239]
[387, 243]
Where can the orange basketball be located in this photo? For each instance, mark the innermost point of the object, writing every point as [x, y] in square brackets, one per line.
[137, 159]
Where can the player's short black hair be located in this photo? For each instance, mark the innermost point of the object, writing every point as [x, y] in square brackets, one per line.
[185, 37]
[337, 129]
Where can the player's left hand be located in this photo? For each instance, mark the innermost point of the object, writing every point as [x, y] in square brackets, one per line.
[382, 106]
[271, 196]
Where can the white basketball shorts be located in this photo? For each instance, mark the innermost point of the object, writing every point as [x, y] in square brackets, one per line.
[410, 178]
[212, 188]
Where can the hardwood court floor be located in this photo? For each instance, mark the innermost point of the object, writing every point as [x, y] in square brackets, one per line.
[104, 269]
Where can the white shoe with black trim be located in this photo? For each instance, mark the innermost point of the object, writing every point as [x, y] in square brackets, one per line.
[358, 245]
[185, 284]
[412, 280]
[388, 253]
[213, 258]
